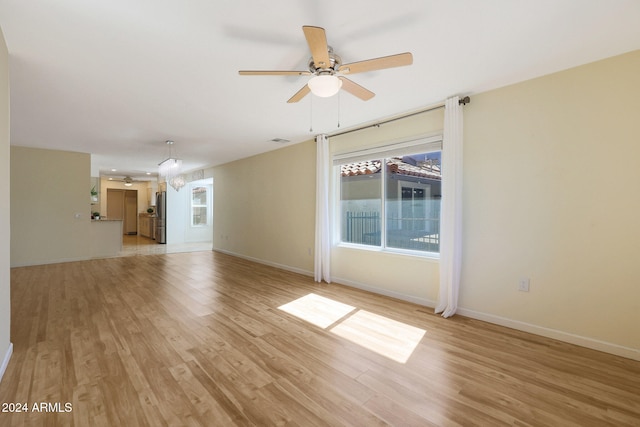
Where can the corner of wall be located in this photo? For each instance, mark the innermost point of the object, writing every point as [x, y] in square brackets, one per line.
[6, 347]
[5, 361]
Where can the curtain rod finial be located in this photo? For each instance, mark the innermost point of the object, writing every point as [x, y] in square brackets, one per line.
[464, 101]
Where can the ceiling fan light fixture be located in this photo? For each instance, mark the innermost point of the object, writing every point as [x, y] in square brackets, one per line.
[324, 85]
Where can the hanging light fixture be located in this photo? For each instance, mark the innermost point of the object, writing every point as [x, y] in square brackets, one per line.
[324, 85]
[170, 169]
[177, 182]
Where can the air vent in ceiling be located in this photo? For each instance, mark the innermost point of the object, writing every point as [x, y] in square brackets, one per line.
[280, 140]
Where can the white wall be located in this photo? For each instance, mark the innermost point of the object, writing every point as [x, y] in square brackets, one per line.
[177, 214]
[179, 228]
[5, 224]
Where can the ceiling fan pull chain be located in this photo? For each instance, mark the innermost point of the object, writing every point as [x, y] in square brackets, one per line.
[339, 109]
[311, 113]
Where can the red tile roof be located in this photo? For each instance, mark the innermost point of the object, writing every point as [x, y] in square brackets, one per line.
[394, 165]
[360, 168]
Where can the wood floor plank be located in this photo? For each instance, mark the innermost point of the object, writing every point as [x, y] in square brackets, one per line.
[199, 339]
[222, 390]
[335, 405]
[395, 414]
[208, 408]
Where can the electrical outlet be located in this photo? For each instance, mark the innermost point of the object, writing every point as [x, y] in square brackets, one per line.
[523, 285]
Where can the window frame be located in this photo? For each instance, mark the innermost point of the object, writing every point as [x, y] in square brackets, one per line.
[207, 207]
[422, 144]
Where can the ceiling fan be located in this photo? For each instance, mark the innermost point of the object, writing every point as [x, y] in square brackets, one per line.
[127, 179]
[328, 69]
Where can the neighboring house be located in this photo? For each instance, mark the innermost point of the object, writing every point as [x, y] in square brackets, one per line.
[412, 194]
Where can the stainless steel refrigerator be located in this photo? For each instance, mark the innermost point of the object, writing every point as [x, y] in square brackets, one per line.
[161, 220]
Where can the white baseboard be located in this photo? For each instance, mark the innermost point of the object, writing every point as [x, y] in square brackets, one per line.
[269, 263]
[5, 361]
[386, 292]
[48, 261]
[567, 337]
[594, 344]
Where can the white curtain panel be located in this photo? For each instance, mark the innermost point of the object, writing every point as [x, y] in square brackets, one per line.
[451, 209]
[322, 267]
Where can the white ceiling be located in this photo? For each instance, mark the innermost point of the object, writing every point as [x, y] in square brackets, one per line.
[117, 78]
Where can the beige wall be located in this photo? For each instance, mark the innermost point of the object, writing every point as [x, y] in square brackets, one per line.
[5, 279]
[264, 207]
[552, 167]
[48, 188]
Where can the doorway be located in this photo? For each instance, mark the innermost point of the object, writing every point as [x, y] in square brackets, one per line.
[123, 204]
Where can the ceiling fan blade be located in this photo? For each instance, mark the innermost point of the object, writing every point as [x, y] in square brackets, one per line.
[272, 73]
[317, 41]
[299, 94]
[391, 61]
[355, 89]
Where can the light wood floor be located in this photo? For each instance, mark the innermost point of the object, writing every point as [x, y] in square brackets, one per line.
[135, 245]
[205, 339]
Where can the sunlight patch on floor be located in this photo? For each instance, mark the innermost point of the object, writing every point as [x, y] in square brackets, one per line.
[317, 310]
[387, 337]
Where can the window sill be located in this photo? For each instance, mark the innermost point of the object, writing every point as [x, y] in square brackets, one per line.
[391, 251]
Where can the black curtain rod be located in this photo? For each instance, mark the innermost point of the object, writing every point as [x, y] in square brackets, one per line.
[462, 101]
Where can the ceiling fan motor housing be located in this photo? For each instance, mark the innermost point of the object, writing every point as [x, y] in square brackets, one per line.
[334, 63]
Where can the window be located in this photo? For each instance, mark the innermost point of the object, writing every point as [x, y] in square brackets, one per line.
[199, 206]
[392, 202]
